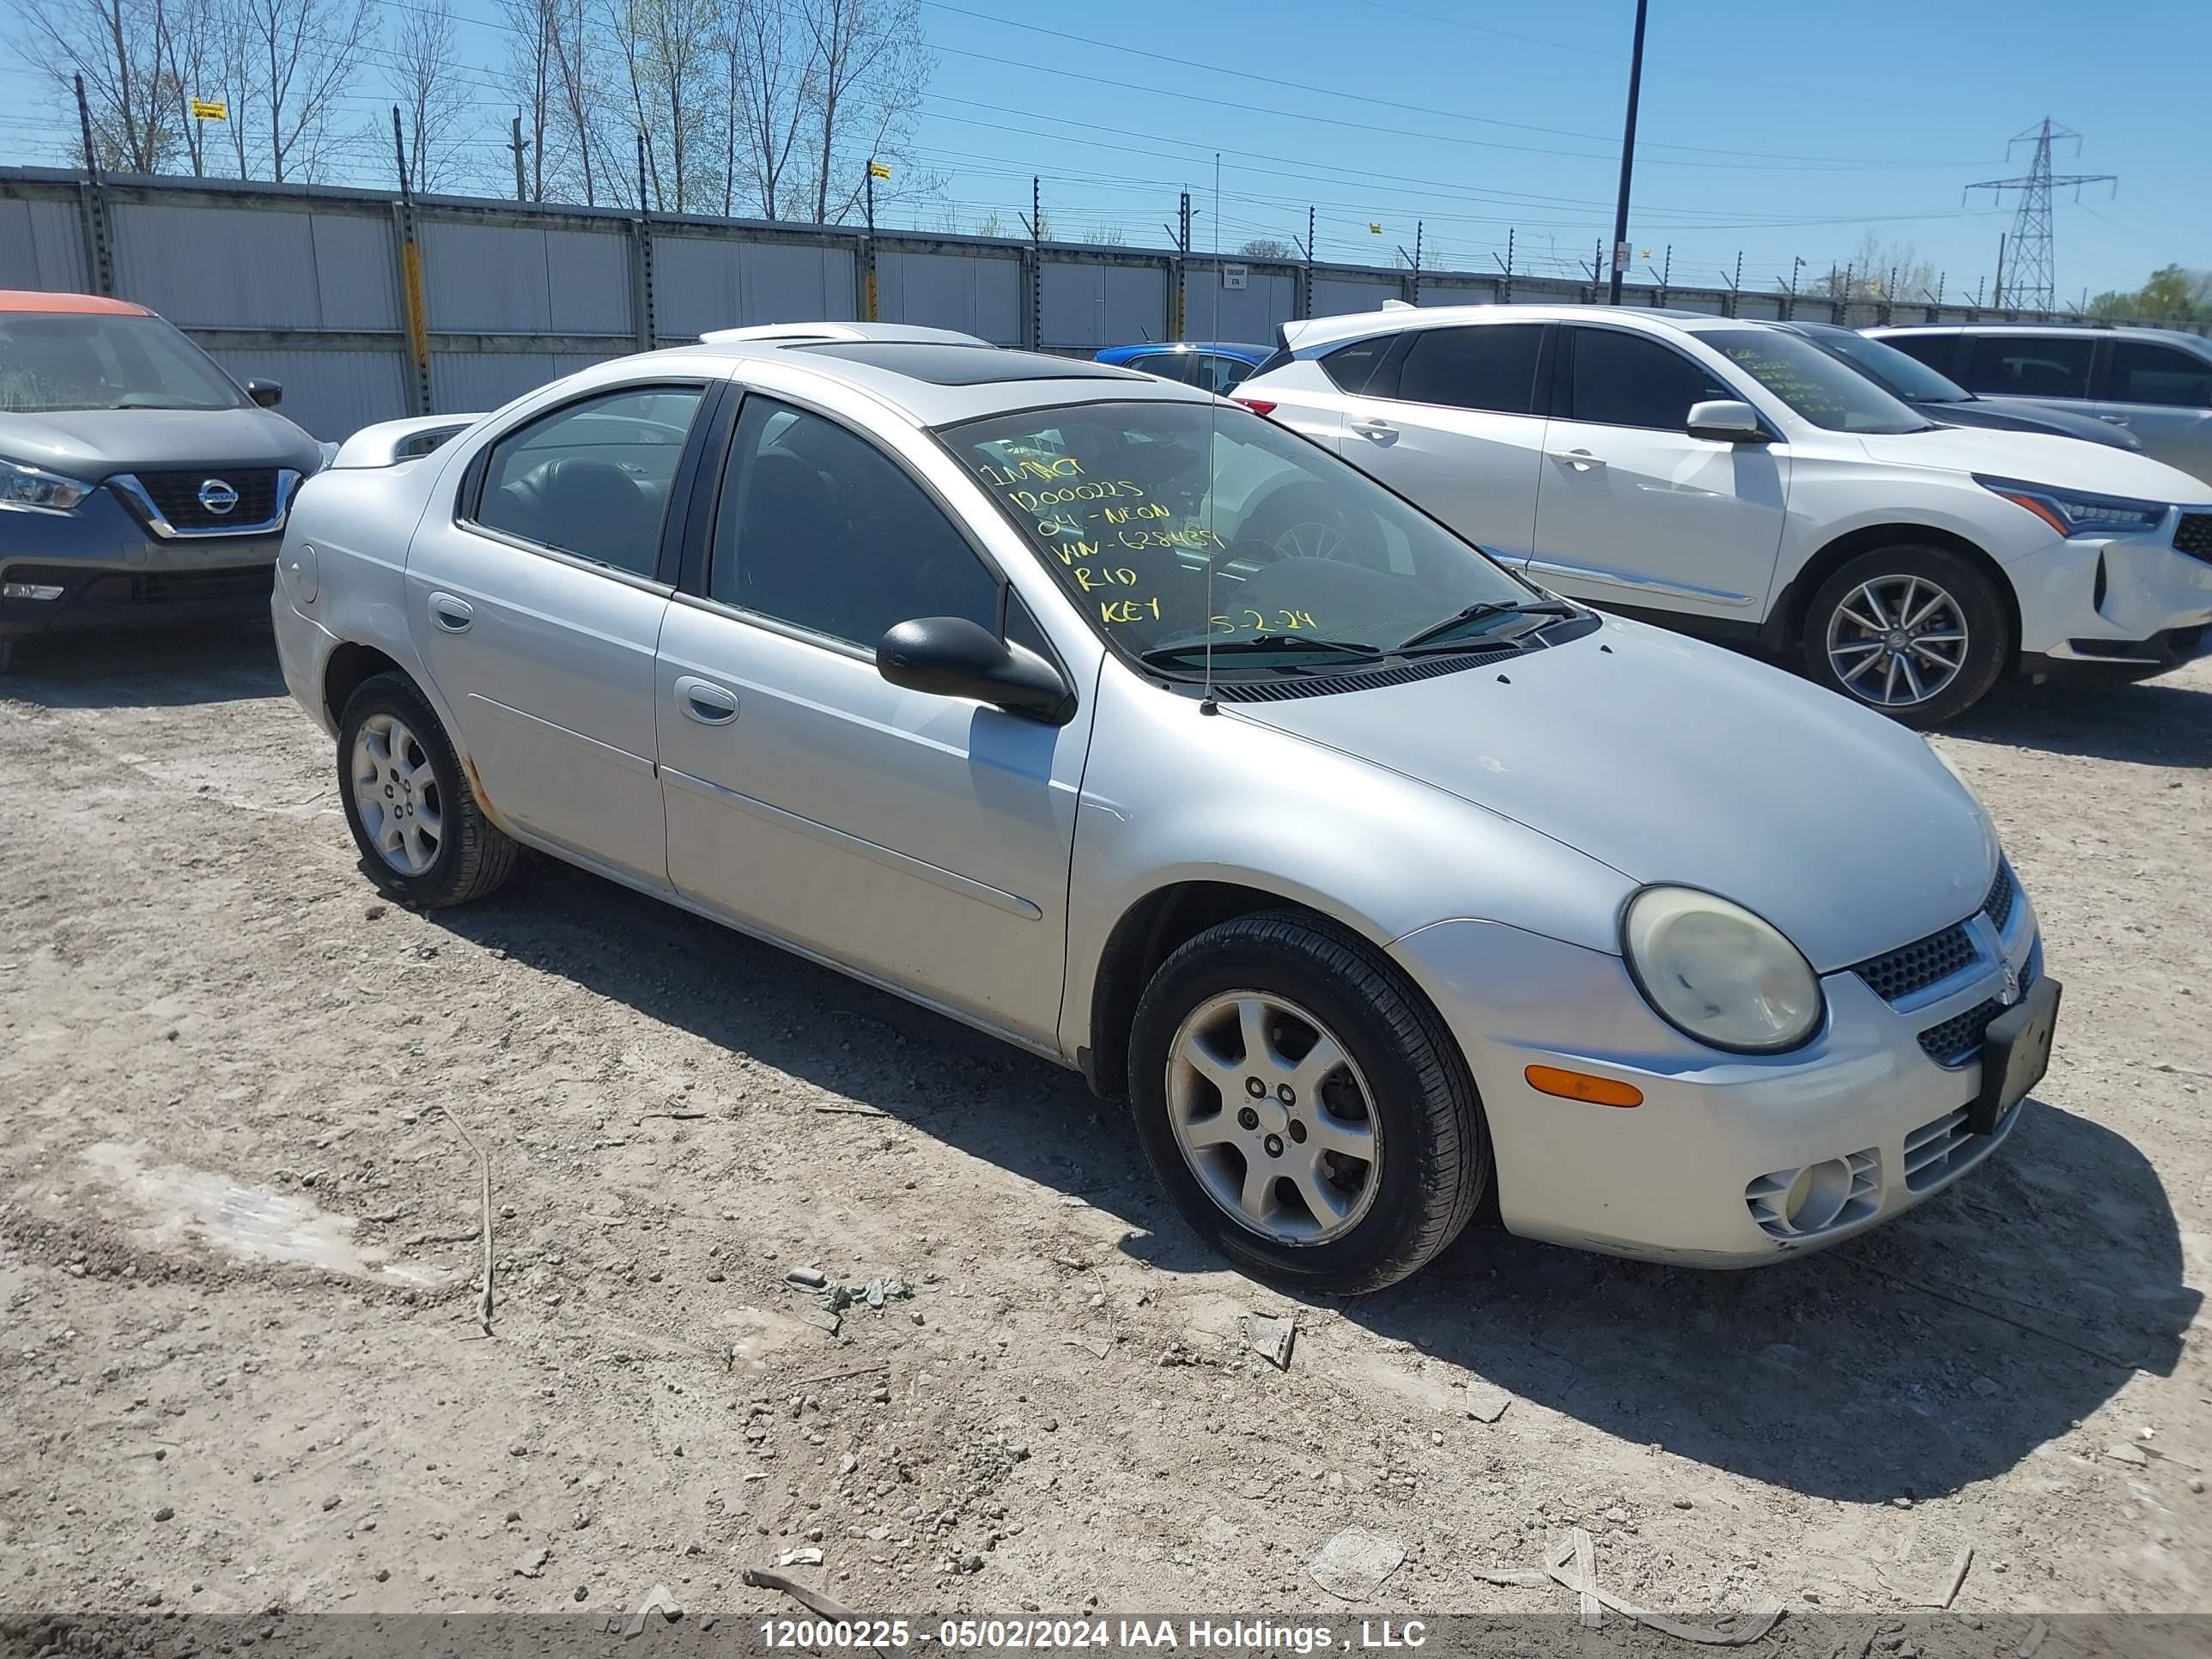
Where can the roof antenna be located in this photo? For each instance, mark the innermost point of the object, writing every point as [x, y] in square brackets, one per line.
[1207, 705]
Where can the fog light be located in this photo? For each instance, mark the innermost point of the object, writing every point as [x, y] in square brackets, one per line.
[1815, 1197]
[29, 591]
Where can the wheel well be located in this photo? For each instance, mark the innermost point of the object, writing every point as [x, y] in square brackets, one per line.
[1151, 931]
[350, 665]
[1787, 623]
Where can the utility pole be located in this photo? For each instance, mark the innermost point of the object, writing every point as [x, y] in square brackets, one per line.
[84, 122]
[870, 279]
[2034, 256]
[515, 143]
[1996, 289]
[1627, 158]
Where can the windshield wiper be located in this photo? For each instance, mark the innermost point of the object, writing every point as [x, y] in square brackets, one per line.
[1487, 608]
[1196, 650]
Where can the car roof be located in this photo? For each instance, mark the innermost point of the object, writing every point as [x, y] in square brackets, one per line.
[2050, 330]
[932, 382]
[20, 299]
[1358, 325]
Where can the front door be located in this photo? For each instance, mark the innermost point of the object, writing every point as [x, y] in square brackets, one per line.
[2163, 394]
[920, 840]
[1451, 423]
[535, 600]
[1631, 510]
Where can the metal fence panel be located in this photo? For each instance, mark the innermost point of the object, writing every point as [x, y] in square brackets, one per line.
[1332, 296]
[281, 266]
[1091, 304]
[1435, 292]
[1767, 306]
[526, 279]
[1249, 315]
[721, 282]
[333, 394]
[978, 293]
[42, 246]
[477, 380]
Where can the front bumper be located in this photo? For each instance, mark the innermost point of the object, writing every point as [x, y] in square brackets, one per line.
[2125, 602]
[100, 567]
[1681, 1178]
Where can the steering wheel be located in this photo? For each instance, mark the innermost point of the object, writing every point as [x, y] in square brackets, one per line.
[1301, 522]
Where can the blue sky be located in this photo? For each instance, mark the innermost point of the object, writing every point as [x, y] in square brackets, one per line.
[1770, 128]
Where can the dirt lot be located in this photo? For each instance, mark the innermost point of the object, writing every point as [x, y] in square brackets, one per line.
[238, 1240]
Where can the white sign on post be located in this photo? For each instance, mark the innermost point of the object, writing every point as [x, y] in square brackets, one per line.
[1234, 276]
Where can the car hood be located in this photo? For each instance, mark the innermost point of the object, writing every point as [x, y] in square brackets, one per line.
[1982, 413]
[92, 443]
[2037, 457]
[1674, 760]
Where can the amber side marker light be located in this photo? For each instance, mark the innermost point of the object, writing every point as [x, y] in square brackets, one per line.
[1581, 1085]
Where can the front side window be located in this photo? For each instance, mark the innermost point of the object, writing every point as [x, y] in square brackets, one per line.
[2030, 366]
[1220, 373]
[1490, 368]
[1936, 350]
[1822, 389]
[2146, 373]
[593, 478]
[1627, 380]
[1167, 523]
[818, 528]
[54, 360]
[1168, 365]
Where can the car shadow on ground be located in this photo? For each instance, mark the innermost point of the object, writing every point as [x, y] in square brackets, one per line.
[2154, 723]
[1935, 1352]
[198, 663]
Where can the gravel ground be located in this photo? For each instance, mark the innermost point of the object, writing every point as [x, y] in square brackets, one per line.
[238, 1238]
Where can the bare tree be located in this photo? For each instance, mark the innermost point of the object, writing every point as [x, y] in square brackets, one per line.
[307, 51]
[121, 48]
[671, 53]
[1266, 247]
[533, 79]
[423, 79]
[772, 84]
[235, 73]
[189, 45]
[580, 72]
[869, 70]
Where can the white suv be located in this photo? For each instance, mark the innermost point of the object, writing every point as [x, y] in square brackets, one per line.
[1732, 479]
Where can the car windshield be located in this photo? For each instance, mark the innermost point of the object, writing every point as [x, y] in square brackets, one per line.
[52, 361]
[1170, 524]
[1887, 367]
[1824, 390]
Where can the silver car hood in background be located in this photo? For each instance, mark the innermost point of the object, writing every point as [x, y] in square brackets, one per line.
[1674, 760]
[92, 443]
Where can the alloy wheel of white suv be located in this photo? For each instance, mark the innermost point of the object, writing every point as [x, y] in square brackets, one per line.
[1915, 631]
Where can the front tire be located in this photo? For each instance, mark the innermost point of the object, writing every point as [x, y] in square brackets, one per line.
[424, 837]
[1917, 632]
[1304, 1108]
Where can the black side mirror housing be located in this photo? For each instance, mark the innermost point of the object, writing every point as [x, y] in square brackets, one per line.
[952, 657]
[266, 394]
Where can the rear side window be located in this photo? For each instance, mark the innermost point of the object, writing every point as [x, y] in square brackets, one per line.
[1625, 380]
[2029, 366]
[592, 478]
[1168, 365]
[2147, 373]
[1492, 368]
[1352, 367]
[1935, 350]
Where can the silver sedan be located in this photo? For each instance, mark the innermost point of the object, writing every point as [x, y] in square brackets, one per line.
[1138, 731]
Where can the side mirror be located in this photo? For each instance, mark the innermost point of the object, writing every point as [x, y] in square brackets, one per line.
[266, 393]
[1725, 421]
[952, 657]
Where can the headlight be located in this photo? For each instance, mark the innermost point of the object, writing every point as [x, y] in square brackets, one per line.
[2071, 513]
[1716, 972]
[27, 487]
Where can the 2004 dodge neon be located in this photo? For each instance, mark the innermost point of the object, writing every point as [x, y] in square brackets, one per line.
[1124, 723]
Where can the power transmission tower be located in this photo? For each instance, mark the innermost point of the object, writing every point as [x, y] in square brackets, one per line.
[2030, 284]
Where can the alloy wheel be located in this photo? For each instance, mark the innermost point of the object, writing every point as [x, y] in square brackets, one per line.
[396, 792]
[1273, 1118]
[1897, 641]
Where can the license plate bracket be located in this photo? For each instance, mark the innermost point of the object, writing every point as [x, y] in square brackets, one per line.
[2015, 1055]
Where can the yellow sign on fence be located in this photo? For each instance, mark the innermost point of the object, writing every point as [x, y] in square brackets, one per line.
[210, 109]
[878, 170]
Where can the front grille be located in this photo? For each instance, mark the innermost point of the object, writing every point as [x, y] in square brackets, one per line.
[177, 495]
[1897, 974]
[1997, 907]
[182, 586]
[1958, 1038]
[1936, 1152]
[2193, 536]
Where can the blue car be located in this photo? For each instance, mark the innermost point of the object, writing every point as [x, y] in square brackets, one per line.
[1211, 365]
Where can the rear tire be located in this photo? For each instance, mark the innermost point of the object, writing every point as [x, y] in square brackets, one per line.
[1917, 633]
[423, 838]
[1390, 1143]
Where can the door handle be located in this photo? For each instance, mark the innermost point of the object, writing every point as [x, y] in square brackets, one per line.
[1381, 432]
[2114, 420]
[454, 616]
[705, 701]
[1581, 459]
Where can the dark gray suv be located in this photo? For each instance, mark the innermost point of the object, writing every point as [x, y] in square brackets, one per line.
[139, 483]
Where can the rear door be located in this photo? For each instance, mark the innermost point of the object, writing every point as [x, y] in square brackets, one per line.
[1635, 512]
[2031, 370]
[535, 602]
[2163, 394]
[1449, 421]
